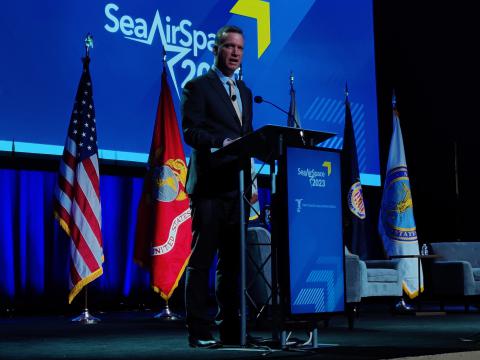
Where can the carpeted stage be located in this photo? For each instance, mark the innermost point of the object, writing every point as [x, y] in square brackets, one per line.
[136, 335]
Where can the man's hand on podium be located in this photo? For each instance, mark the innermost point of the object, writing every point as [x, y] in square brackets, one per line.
[228, 141]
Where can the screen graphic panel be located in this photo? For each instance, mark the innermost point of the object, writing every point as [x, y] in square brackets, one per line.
[315, 232]
[323, 43]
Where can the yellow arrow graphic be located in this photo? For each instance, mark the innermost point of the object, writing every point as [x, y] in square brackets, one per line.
[328, 165]
[259, 10]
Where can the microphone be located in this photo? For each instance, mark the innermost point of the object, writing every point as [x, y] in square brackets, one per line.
[259, 100]
[233, 97]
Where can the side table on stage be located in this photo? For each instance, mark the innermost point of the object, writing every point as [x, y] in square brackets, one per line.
[419, 268]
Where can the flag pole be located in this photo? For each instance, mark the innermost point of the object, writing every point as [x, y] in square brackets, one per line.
[12, 155]
[166, 314]
[88, 44]
[458, 229]
[292, 120]
[401, 306]
[85, 317]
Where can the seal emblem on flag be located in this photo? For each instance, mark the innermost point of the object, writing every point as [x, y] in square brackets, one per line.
[355, 200]
[169, 181]
[397, 219]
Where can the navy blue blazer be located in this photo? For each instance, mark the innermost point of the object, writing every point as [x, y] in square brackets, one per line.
[208, 118]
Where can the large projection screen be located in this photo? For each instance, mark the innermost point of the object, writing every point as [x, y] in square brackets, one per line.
[324, 43]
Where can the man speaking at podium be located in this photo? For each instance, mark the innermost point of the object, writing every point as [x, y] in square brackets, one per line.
[216, 109]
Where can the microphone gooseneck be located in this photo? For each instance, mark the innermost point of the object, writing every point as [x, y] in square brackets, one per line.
[259, 100]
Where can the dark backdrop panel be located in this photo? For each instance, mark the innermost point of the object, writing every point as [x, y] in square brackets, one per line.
[424, 50]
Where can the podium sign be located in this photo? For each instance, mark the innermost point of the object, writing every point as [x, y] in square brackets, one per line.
[315, 243]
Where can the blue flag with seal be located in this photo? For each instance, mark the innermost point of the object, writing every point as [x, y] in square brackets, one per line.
[396, 223]
[354, 214]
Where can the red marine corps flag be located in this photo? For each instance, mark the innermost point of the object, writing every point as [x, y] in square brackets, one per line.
[164, 226]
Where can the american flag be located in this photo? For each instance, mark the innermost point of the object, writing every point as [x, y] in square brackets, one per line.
[77, 195]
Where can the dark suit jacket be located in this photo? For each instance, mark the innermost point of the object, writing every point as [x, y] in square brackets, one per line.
[208, 118]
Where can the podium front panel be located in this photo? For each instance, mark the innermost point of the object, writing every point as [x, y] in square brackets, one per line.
[316, 283]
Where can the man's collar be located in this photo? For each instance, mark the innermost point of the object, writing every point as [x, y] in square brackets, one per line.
[223, 78]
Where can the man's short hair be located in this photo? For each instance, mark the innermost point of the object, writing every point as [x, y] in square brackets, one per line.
[226, 29]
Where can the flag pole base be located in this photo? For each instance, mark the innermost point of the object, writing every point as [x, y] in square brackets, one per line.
[167, 315]
[86, 318]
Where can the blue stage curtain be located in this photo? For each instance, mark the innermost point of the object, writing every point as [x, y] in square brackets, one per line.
[34, 251]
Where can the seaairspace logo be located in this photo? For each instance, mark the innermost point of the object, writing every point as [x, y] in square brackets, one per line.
[316, 178]
[178, 38]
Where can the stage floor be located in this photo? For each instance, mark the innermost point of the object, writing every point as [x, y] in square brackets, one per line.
[136, 335]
